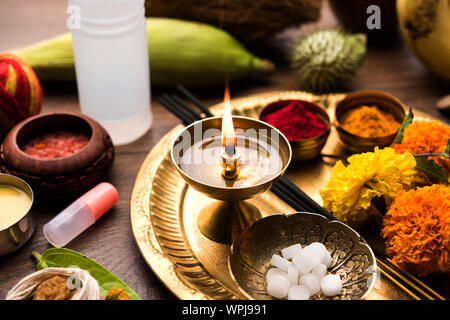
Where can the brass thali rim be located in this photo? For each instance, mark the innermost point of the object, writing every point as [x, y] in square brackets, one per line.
[143, 230]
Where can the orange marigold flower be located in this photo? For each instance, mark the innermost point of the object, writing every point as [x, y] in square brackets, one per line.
[417, 230]
[426, 136]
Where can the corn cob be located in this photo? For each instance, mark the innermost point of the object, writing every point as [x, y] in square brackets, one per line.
[180, 52]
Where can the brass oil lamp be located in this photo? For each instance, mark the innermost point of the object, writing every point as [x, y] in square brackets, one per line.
[230, 159]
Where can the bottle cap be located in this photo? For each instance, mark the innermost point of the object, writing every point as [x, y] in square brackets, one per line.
[106, 10]
[101, 198]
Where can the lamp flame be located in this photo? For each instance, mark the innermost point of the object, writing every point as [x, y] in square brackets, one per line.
[228, 134]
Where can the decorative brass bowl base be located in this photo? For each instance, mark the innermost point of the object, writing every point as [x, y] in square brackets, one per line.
[353, 260]
[224, 221]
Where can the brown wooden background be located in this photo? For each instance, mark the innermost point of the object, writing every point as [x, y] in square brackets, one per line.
[389, 67]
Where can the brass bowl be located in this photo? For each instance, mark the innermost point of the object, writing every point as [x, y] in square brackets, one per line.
[380, 99]
[353, 259]
[239, 122]
[17, 234]
[304, 149]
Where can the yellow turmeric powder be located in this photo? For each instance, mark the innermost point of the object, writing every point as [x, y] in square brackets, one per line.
[117, 294]
[369, 122]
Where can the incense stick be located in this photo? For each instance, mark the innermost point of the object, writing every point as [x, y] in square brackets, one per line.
[194, 100]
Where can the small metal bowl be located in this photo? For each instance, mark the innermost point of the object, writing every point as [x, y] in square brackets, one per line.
[304, 149]
[16, 235]
[353, 259]
[383, 101]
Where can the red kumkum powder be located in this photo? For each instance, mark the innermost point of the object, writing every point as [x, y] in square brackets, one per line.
[296, 122]
[56, 144]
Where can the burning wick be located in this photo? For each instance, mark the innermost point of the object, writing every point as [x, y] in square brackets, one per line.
[230, 157]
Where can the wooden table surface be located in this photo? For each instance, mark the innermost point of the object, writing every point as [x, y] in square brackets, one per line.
[389, 67]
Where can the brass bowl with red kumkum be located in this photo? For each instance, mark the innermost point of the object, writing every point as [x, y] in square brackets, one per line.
[305, 124]
[60, 154]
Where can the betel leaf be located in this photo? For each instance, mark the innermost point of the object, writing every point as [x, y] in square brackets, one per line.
[65, 258]
[434, 172]
[406, 122]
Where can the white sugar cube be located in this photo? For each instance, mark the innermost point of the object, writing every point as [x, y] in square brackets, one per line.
[292, 275]
[327, 260]
[331, 285]
[316, 251]
[298, 293]
[280, 262]
[303, 262]
[316, 245]
[278, 286]
[289, 252]
[274, 271]
[319, 271]
[309, 280]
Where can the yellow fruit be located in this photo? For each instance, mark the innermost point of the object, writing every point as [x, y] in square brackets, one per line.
[425, 25]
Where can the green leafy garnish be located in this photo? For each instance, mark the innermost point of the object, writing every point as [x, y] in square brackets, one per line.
[406, 122]
[433, 171]
[65, 258]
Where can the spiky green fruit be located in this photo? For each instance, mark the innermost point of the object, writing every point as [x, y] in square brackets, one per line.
[328, 59]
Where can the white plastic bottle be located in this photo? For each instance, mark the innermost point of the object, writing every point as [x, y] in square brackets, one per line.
[112, 65]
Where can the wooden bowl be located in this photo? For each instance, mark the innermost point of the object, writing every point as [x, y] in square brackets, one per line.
[67, 176]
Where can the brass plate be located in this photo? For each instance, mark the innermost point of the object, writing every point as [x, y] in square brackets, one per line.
[163, 212]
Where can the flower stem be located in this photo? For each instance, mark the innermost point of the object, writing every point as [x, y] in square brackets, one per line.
[432, 154]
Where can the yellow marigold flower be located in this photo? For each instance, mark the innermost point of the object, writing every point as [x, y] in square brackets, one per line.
[417, 230]
[382, 173]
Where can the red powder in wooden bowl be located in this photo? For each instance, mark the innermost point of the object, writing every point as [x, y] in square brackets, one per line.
[295, 121]
[56, 144]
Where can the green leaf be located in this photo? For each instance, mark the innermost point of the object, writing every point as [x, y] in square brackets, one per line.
[406, 122]
[41, 264]
[434, 172]
[65, 258]
[447, 150]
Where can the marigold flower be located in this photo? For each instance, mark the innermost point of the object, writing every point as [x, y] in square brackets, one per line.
[417, 230]
[426, 136]
[382, 173]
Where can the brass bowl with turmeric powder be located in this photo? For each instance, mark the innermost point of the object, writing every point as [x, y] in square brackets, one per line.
[366, 119]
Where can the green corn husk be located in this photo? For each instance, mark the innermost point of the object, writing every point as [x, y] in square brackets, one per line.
[327, 60]
[181, 52]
